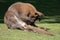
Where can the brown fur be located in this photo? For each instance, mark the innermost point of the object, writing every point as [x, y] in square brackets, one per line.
[22, 16]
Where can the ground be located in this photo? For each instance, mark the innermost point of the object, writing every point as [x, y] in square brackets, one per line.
[8, 34]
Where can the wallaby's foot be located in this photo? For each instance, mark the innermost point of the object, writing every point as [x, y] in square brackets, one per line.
[46, 29]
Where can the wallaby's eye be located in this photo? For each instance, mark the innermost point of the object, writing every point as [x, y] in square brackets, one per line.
[36, 14]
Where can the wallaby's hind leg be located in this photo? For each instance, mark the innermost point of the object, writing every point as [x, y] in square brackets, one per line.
[37, 30]
[9, 19]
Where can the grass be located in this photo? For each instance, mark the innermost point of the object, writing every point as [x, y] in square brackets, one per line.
[50, 22]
